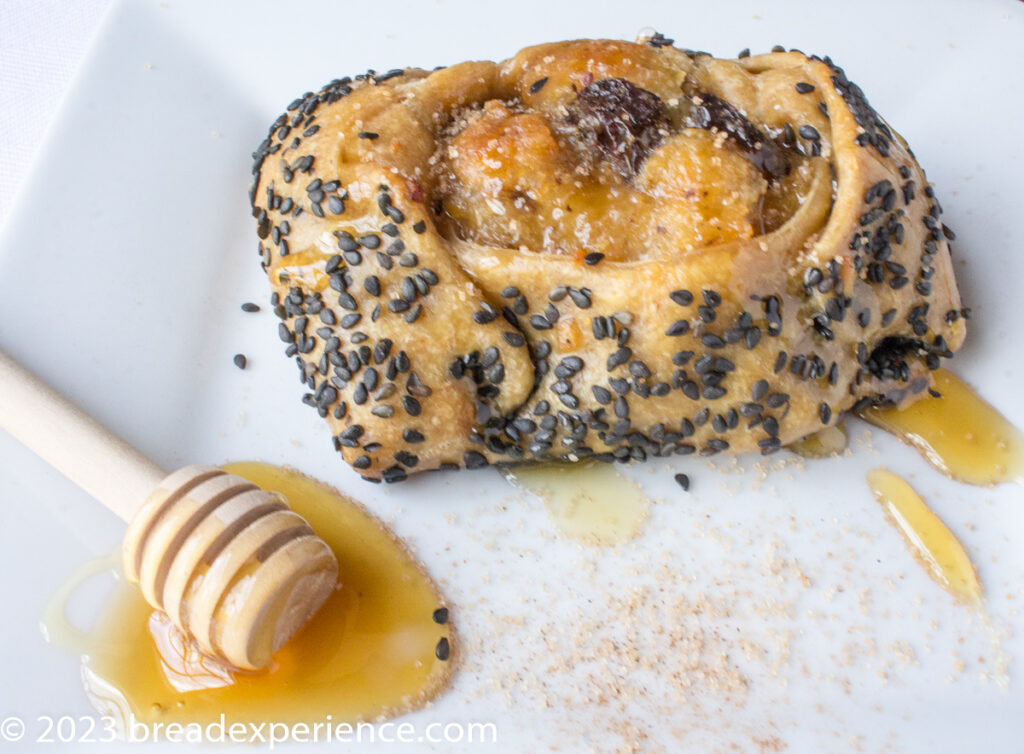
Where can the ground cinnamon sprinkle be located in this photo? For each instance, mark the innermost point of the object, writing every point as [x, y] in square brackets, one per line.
[707, 633]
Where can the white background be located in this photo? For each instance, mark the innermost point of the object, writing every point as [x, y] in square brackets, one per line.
[129, 248]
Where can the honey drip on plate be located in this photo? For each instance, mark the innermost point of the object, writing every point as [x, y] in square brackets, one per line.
[376, 648]
[931, 540]
[960, 433]
[588, 501]
[824, 443]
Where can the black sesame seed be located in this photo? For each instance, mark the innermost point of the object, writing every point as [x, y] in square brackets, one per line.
[346, 242]
[760, 390]
[580, 297]
[677, 328]
[368, 135]
[710, 340]
[408, 289]
[619, 357]
[474, 460]
[440, 615]
[346, 301]
[239, 360]
[824, 413]
[804, 88]
[683, 481]
[809, 132]
[619, 385]
[537, 85]
[393, 474]
[406, 458]
[751, 410]
[250, 307]
[682, 297]
[443, 649]
[411, 405]
[639, 369]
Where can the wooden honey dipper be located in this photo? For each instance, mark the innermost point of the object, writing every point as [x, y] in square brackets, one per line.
[228, 562]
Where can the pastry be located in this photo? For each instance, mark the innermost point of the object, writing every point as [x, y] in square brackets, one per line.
[598, 249]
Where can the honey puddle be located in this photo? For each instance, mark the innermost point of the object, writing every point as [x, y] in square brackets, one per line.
[959, 433]
[931, 540]
[378, 647]
[589, 502]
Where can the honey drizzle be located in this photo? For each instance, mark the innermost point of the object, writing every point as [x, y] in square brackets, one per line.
[825, 443]
[930, 539]
[959, 433]
[370, 652]
[587, 501]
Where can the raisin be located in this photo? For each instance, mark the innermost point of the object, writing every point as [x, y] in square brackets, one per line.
[710, 111]
[621, 120]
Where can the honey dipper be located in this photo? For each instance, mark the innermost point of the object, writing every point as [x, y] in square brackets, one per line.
[228, 562]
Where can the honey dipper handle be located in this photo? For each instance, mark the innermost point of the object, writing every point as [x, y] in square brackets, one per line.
[74, 443]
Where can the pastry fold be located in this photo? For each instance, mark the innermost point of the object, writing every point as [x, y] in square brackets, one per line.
[598, 249]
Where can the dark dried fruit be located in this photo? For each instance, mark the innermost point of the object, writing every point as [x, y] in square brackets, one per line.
[619, 119]
[709, 111]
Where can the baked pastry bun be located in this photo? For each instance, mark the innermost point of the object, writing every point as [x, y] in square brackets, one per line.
[598, 249]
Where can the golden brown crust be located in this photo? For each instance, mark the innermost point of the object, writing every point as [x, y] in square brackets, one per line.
[598, 248]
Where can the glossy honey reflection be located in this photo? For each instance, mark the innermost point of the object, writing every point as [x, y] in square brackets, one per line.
[589, 502]
[930, 539]
[825, 443]
[379, 646]
[959, 432]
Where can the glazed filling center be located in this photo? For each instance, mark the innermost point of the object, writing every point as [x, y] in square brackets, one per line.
[616, 171]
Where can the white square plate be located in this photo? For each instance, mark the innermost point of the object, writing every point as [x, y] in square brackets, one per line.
[799, 615]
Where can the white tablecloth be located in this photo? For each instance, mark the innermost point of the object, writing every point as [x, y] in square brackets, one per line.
[42, 43]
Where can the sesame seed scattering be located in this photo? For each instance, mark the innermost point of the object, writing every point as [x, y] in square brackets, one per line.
[598, 249]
